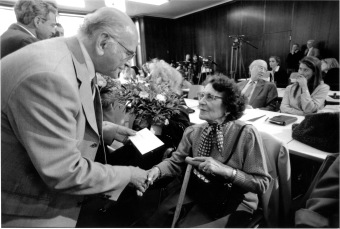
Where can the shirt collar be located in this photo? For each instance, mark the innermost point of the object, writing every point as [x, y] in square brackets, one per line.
[88, 60]
[27, 30]
[277, 68]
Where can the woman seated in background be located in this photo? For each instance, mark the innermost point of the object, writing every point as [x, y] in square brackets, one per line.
[330, 69]
[210, 144]
[278, 75]
[308, 94]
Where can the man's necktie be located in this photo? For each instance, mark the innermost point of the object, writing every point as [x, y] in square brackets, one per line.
[249, 89]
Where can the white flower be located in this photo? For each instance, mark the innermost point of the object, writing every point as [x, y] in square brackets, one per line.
[160, 97]
[143, 94]
[101, 82]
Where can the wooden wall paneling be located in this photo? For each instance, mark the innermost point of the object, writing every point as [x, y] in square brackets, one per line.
[233, 26]
[332, 44]
[312, 20]
[276, 44]
[278, 16]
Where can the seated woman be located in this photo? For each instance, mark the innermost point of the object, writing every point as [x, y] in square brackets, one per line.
[330, 68]
[308, 94]
[211, 143]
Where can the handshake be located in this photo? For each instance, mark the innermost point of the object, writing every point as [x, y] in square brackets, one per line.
[142, 179]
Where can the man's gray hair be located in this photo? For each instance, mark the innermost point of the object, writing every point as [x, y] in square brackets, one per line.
[27, 10]
[257, 62]
[102, 20]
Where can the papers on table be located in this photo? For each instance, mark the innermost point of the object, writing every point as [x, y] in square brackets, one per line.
[145, 141]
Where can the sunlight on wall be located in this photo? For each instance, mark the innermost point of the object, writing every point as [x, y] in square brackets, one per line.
[7, 17]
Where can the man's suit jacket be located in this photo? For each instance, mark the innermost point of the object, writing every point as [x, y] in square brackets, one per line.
[280, 77]
[314, 52]
[15, 38]
[51, 131]
[264, 95]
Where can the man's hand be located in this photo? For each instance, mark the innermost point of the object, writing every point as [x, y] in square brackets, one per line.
[139, 180]
[113, 131]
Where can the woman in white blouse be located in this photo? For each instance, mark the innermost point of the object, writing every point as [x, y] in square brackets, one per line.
[308, 94]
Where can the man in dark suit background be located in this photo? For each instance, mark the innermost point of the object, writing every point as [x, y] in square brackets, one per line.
[36, 20]
[260, 93]
[52, 127]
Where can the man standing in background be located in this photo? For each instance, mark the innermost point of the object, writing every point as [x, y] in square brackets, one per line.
[36, 20]
[311, 50]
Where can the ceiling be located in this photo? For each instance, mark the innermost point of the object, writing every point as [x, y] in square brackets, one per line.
[173, 9]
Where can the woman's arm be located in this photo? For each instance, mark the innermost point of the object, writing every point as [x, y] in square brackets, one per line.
[285, 104]
[313, 103]
[252, 175]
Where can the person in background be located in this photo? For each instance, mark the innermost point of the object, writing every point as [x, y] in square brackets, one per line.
[196, 67]
[260, 93]
[210, 143]
[311, 50]
[322, 208]
[59, 30]
[52, 134]
[278, 75]
[293, 58]
[36, 20]
[330, 69]
[308, 94]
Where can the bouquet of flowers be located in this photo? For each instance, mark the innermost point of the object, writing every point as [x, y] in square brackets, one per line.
[151, 104]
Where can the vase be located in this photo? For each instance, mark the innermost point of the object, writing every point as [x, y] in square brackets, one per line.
[156, 129]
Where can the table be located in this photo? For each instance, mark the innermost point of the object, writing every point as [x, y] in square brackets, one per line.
[330, 100]
[284, 133]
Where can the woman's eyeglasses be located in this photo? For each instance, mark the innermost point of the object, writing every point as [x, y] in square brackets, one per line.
[208, 97]
[129, 53]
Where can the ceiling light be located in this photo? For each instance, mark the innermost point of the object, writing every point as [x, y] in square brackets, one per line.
[73, 3]
[151, 2]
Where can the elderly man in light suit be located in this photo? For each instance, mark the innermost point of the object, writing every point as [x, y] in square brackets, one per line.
[51, 124]
[260, 93]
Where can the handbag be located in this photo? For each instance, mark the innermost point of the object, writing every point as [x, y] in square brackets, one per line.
[319, 130]
[217, 193]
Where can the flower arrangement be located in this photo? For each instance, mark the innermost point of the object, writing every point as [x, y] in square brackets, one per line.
[150, 103]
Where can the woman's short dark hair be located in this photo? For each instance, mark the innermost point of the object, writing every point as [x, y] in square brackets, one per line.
[233, 100]
[277, 59]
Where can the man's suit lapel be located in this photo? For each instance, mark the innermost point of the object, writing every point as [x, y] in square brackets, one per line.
[85, 85]
[257, 90]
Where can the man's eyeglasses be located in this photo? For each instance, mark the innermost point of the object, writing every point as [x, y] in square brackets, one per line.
[130, 54]
[261, 68]
[208, 97]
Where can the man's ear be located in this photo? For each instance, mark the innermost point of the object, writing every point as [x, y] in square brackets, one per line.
[36, 21]
[102, 42]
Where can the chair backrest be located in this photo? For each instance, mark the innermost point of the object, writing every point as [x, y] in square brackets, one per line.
[194, 89]
[276, 201]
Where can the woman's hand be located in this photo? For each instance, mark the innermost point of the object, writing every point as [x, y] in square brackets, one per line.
[302, 81]
[152, 175]
[211, 166]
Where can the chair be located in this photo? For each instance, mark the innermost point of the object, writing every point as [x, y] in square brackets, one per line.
[274, 207]
[301, 203]
[194, 89]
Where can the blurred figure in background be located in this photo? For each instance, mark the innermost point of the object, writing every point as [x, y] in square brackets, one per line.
[308, 94]
[59, 30]
[196, 68]
[293, 58]
[278, 75]
[311, 50]
[36, 20]
[330, 70]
